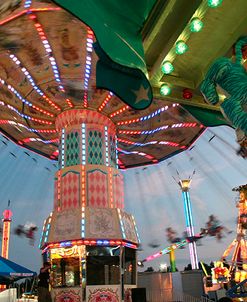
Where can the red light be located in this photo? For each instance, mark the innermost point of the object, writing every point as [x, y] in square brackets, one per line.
[7, 214]
[187, 94]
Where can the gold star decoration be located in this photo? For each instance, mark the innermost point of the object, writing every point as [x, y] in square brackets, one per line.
[141, 94]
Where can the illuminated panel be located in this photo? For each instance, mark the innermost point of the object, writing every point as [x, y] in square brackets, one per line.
[48, 49]
[63, 146]
[32, 82]
[83, 222]
[106, 100]
[106, 146]
[5, 240]
[89, 48]
[83, 142]
[24, 101]
[121, 223]
[120, 111]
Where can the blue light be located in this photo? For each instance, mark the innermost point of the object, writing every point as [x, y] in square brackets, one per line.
[65, 244]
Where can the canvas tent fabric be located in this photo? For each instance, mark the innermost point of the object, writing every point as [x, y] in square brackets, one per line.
[11, 271]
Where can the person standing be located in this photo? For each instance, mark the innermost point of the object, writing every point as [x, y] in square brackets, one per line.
[44, 294]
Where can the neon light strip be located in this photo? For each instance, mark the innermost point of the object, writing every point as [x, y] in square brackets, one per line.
[87, 72]
[4, 122]
[190, 212]
[97, 242]
[190, 229]
[68, 101]
[171, 144]
[27, 3]
[28, 117]
[48, 226]
[186, 211]
[137, 234]
[59, 190]
[166, 250]
[42, 234]
[83, 186]
[106, 100]
[48, 50]
[106, 147]
[83, 222]
[192, 260]
[146, 117]
[111, 189]
[116, 150]
[24, 101]
[83, 142]
[44, 9]
[25, 116]
[119, 111]
[32, 82]
[138, 153]
[120, 164]
[181, 125]
[121, 223]
[34, 139]
[63, 147]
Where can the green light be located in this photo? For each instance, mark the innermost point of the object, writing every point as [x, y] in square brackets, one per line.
[214, 3]
[181, 47]
[165, 89]
[167, 67]
[196, 25]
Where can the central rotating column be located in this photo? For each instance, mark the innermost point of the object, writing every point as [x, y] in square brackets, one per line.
[89, 238]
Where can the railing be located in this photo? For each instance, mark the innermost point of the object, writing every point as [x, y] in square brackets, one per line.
[160, 295]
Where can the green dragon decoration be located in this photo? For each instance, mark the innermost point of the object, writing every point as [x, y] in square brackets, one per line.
[231, 76]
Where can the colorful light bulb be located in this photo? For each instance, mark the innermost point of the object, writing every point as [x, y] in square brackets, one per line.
[196, 25]
[167, 67]
[181, 47]
[165, 89]
[214, 3]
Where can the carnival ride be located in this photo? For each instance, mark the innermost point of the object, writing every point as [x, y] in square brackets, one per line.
[181, 242]
[51, 105]
[237, 268]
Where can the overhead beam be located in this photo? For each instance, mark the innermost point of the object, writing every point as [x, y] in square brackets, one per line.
[175, 97]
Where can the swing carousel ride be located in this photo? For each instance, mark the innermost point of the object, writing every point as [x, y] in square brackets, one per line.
[53, 104]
